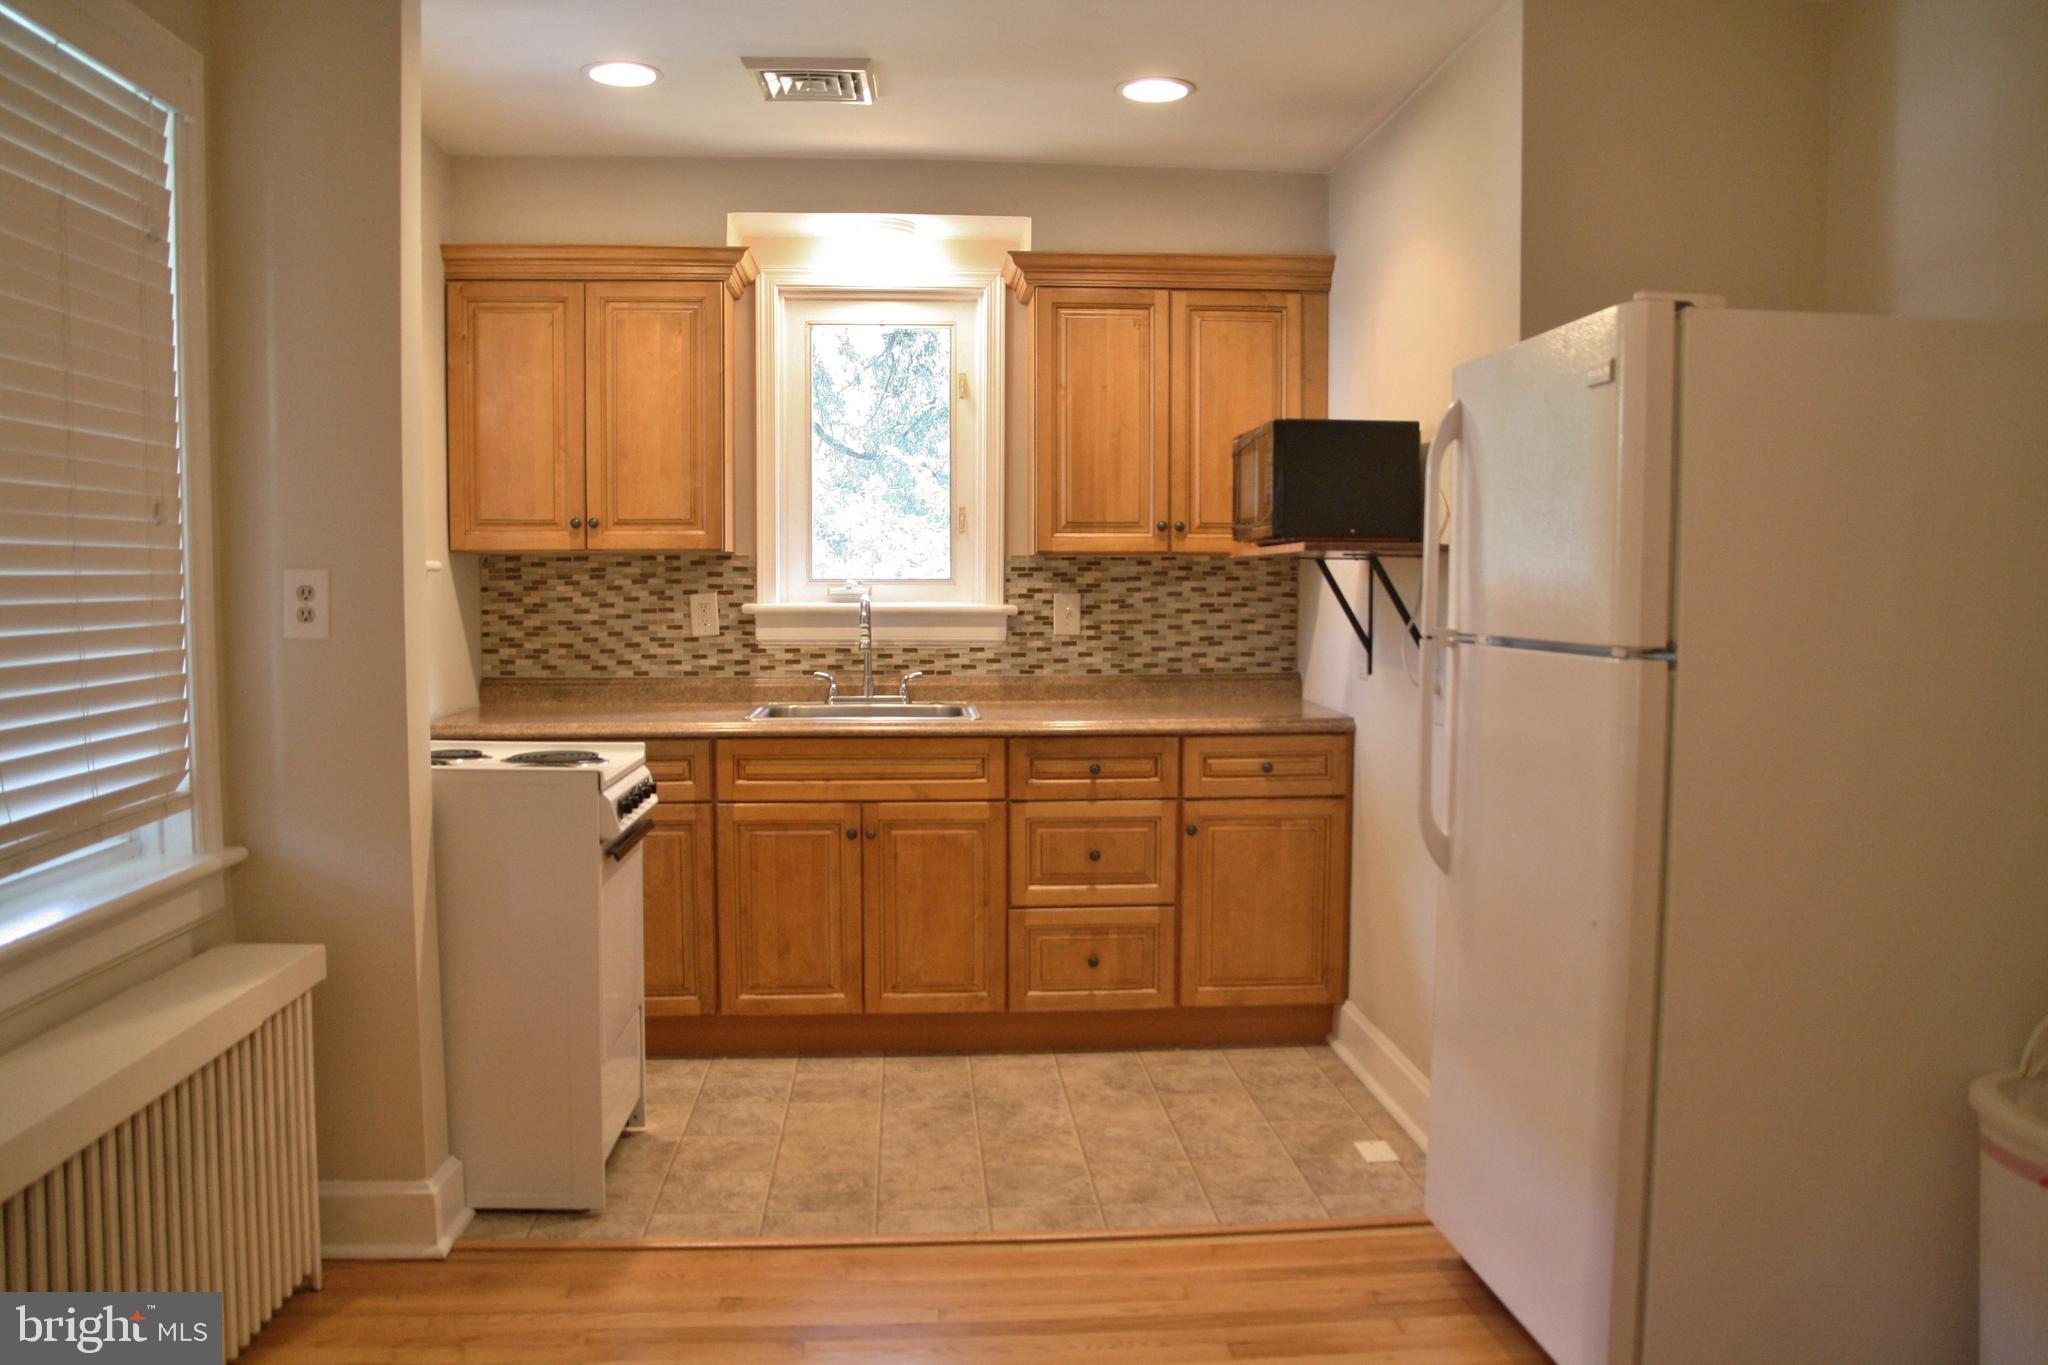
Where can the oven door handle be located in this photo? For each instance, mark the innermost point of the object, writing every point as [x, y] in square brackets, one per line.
[626, 842]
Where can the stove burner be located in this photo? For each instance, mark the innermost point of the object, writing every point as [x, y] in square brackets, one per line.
[556, 758]
[441, 758]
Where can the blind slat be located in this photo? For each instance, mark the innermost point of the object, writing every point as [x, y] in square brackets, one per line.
[121, 111]
[95, 723]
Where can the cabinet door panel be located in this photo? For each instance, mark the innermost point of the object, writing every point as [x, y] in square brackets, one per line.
[789, 908]
[933, 905]
[1237, 363]
[657, 452]
[1099, 445]
[515, 416]
[1265, 900]
[678, 910]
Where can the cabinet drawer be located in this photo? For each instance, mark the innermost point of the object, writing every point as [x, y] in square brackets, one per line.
[1092, 852]
[1267, 765]
[1090, 768]
[681, 768]
[860, 769]
[1091, 959]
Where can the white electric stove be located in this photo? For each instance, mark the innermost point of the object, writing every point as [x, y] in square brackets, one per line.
[537, 869]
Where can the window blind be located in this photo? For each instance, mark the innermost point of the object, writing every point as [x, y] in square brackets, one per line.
[94, 688]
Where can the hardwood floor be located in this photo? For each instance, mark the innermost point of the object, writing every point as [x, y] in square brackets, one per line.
[1394, 1295]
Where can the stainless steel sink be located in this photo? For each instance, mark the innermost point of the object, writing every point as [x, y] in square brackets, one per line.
[864, 709]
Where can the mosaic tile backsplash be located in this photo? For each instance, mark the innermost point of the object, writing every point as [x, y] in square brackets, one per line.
[627, 616]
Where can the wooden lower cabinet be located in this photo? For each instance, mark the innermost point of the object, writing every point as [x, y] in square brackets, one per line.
[932, 905]
[1112, 958]
[1265, 901]
[789, 912]
[677, 904]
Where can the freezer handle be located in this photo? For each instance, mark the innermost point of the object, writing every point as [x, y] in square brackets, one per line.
[1431, 612]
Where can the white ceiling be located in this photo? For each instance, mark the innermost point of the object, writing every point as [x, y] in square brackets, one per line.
[1281, 84]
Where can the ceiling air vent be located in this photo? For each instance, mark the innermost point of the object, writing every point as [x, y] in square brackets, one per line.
[813, 80]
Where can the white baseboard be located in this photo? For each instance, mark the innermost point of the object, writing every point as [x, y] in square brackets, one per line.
[393, 1220]
[1397, 1083]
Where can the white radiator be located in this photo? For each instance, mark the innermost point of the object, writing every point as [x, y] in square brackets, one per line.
[202, 1181]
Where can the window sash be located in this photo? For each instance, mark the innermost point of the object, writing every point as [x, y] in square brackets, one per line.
[95, 689]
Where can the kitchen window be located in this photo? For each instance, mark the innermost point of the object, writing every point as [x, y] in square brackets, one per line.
[879, 449]
[102, 804]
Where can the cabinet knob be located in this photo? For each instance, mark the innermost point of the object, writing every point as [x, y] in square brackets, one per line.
[1267, 766]
[575, 523]
[1192, 830]
[1178, 526]
[1159, 526]
[871, 831]
[1094, 855]
[1094, 770]
[593, 523]
[853, 834]
[1094, 960]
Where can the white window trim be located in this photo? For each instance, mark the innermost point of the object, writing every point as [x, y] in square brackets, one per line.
[117, 911]
[779, 620]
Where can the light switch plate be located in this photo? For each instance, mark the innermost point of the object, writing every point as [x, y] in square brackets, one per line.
[1066, 613]
[305, 604]
[703, 613]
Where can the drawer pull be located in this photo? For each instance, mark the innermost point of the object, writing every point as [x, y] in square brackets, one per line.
[1094, 770]
[1267, 766]
[1094, 855]
[1094, 960]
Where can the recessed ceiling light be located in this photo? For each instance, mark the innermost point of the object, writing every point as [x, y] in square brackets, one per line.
[622, 73]
[1156, 89]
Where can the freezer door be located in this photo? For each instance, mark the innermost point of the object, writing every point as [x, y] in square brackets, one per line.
[1562, 485]
[1545, 986]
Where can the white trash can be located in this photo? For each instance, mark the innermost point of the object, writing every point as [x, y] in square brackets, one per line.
[2012, 1209]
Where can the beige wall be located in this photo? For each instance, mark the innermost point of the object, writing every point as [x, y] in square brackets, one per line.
[1938, 158]
[319, 464]
[1671, 145]
[1424, 219]
[1072, 208]
[454, 658]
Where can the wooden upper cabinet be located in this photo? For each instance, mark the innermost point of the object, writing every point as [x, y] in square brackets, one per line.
[1236, 363]
[1099, 420]
[658, 458]
[1144, 369]
[590, 396]
[515, 415]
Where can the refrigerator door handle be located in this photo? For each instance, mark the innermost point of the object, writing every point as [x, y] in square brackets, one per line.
[1431, 614]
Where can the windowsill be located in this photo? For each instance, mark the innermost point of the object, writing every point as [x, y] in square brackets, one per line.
[97, 899]
[913, 622]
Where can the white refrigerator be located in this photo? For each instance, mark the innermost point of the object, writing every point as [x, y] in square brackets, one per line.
[1734, 768]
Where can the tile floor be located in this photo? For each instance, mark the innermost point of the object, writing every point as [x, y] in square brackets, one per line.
[854, 1146]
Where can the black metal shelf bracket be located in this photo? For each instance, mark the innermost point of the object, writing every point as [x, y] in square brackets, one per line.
[1365, 632]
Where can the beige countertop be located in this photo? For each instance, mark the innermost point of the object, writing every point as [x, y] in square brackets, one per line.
[700, 710]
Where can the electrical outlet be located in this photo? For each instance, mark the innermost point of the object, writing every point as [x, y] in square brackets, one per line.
[703, 613]
[305, 604]
[1066, 613]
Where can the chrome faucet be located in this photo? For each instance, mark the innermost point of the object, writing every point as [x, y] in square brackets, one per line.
[867, 645]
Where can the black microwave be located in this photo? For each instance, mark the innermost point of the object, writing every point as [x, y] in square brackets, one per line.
[1307, 479]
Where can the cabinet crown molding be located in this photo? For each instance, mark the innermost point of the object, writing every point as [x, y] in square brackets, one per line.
[732, 266]
[1026, 271]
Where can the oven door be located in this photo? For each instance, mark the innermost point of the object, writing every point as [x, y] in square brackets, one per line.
[620, 975]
